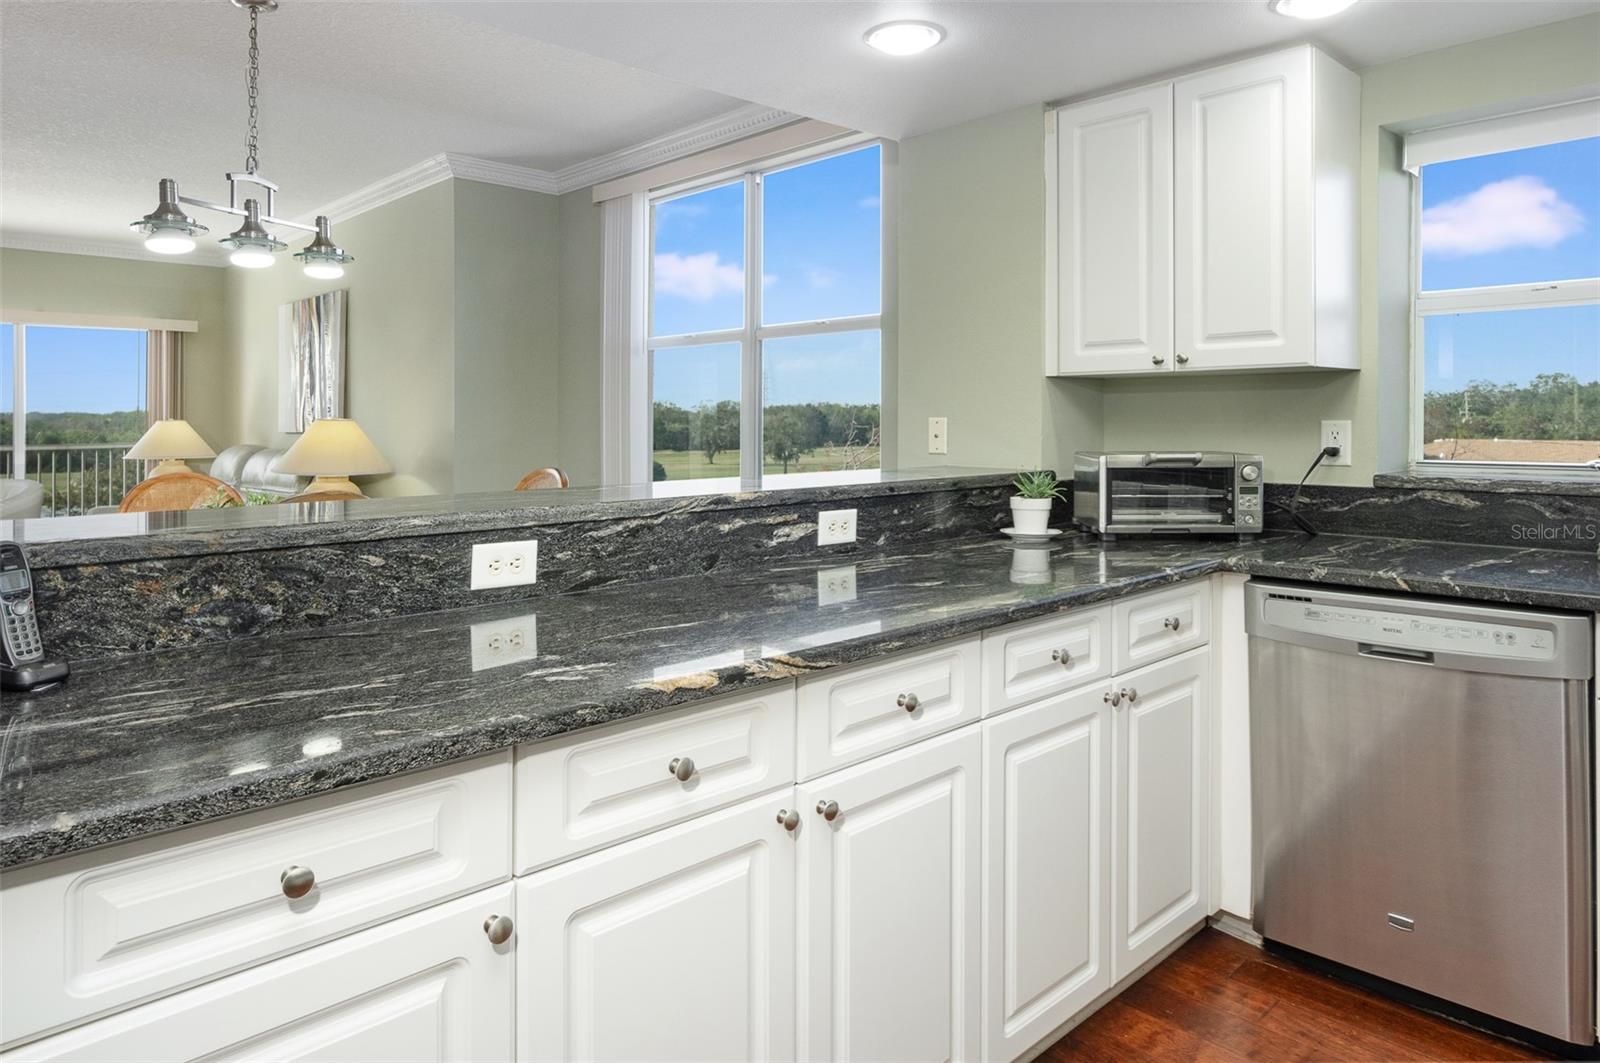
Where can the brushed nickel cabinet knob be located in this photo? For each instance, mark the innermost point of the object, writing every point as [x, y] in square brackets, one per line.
[1113, 698]
[789, 818]
[1183, 359]
[498, 928]
[1130, 695]
[682, 768]
[1156, 359]
[1172, 623]
[909, 702]
[828, 810]
[297, 881]
[1061, 657]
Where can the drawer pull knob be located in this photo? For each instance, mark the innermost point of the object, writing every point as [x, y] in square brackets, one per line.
[1061, 657]
[1156, 359]
[498, 928]
[789, 818]
[909, 702]
[1113, 698]
[297, 881]
[1172, 623]
[682, 768]
[1183, 359]
[828, 810]
[1130, 695]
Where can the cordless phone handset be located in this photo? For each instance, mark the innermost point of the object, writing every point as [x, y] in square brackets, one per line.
[19, 630]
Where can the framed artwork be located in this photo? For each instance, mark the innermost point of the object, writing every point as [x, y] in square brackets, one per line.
[311, 360]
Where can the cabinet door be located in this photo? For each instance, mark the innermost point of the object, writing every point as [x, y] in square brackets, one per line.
[1243, 215]
[429, 986]
[1114, 233]
[1047, 849]
[889, 906]
[1160, 872]
[676, 946]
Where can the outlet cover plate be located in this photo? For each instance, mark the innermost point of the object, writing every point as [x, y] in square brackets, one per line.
[1337, 434]
[501, 642]
[835, 585]
[513, 564]
[938, 435]
[836, 526]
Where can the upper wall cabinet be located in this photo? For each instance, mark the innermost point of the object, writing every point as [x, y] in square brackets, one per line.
[1207, 223]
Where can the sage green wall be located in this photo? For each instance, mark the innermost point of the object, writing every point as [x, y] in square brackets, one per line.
[971, 301]
[582, 293]
[400, 381]
[507, 335]
[87, 284]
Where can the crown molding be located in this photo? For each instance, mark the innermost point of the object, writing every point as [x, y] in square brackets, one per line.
[428, 172]
[133, 249]
[734, 125]
[472, 168]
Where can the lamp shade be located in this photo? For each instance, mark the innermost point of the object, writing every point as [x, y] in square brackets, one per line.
[169, 440]
[332, 446]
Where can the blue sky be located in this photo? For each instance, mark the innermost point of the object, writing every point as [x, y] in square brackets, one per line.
[77, 370]
[1512, 218]
[822, 259]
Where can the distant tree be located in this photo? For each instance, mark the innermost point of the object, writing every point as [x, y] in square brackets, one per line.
[785, 435]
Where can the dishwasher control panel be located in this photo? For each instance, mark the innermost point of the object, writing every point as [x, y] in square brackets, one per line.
[1409, 631]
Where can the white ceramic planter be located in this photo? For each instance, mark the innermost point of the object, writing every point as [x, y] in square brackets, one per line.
[1031, 516]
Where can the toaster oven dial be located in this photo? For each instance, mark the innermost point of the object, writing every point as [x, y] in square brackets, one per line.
[1249, 472]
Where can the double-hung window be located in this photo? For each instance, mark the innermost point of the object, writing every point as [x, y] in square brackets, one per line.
[1506, 295]
[765, 320]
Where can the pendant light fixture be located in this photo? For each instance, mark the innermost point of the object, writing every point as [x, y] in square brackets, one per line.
[169, 231]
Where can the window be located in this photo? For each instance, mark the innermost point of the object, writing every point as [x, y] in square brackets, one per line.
[72, 401]
[772, 368]
[1506, 335]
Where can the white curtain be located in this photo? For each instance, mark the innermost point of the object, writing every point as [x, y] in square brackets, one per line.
[164, 375]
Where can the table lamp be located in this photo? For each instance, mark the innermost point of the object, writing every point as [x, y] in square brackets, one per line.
[168, 443]
[332, 450]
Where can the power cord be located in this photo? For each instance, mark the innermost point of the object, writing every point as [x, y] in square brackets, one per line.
[1293, 508]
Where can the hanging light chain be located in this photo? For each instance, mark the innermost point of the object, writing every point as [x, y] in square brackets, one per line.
[255, 106]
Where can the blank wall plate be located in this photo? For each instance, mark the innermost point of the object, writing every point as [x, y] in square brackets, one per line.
[505, 564]
[835, 585]
[500, 642]
[836, 526]
[938, 435]
[1337, 434]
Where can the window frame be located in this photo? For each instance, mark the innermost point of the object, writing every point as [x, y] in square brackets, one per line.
[1578, 291]
[753, 334]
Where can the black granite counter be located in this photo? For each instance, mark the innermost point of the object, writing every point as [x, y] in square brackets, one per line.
[151, 742]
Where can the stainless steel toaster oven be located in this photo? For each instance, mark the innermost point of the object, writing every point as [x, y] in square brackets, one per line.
[1161, 491]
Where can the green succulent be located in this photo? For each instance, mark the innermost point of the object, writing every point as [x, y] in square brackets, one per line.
[1041, 484]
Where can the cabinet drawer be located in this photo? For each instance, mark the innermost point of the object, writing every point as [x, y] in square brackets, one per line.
[855, 713]
[1155, 626]
[1025, 662]
[428, 987]
[97, 932]
[575, 795]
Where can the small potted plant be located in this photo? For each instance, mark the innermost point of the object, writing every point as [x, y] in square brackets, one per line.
[1030, 506]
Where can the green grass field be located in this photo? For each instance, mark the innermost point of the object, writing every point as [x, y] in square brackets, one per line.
[692, 465]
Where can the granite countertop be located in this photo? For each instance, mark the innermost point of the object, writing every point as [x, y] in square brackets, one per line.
[135, 745]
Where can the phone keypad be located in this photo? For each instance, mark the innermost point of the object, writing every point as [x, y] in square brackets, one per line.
[22, 636]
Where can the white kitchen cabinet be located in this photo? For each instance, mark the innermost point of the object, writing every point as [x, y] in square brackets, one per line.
[1026, 662]
[1161, 832]
[1047, 784]
[1114, 226]
[676, 946]
[429, 986]
[889, 906]
[1257, 237]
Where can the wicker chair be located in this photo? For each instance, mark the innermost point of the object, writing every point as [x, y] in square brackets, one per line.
[542, 478]
[176, 490]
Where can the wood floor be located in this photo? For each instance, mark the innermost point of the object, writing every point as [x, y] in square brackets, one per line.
[1218, 998]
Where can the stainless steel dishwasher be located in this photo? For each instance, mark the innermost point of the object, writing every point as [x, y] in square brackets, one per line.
[1421, 796]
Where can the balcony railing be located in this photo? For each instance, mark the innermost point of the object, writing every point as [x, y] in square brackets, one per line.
[76, 477]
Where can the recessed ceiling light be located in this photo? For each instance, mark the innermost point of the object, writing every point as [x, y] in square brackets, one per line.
[904, 38]
[1310, 8]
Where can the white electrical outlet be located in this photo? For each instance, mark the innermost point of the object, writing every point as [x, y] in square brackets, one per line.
[938, 435]
[836, 526]
[835, 585]
[505, 564]
[500, 642]
[1337, 434]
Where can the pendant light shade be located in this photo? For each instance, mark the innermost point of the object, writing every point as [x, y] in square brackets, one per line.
[322, 258]
[168, 230]
[253, 247]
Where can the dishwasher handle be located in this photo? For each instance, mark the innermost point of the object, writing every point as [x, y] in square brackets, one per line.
[1394, 653]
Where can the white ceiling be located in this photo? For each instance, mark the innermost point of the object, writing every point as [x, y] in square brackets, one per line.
[100, 98]
[807, 56]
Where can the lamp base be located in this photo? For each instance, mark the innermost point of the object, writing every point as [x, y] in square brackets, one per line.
[165, 466]
[333, 485]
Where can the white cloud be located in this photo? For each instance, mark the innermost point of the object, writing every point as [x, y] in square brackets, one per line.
[698, 278]
[869, 202]
[818, 277]
[1516, 212]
